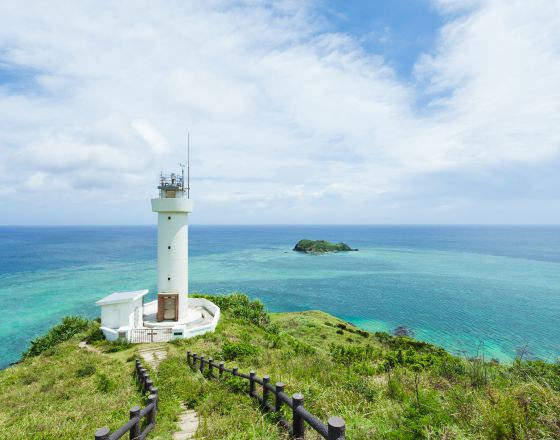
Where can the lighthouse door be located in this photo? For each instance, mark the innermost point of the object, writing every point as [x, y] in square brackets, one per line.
[169, 308]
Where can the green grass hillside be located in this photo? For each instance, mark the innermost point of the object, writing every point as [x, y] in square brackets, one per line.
[385, 387]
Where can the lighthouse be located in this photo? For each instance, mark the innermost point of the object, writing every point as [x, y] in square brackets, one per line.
[126, 315]
[173, 207]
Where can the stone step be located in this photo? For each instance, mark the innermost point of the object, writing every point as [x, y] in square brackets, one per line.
[187, 424]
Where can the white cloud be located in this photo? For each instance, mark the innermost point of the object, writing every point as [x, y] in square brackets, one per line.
[283, 116]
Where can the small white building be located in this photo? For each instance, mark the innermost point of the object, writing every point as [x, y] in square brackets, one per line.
[120, 312]
[173, 314]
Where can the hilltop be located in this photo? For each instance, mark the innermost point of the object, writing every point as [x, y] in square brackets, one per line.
[384, 386]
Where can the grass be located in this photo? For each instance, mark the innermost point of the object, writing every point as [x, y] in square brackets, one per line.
[385, 387]
[65, 393]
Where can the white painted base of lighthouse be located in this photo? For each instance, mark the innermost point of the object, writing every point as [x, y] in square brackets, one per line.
[124, 316]
[202, 316]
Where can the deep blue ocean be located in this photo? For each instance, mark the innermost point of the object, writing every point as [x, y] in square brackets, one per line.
[470, 289]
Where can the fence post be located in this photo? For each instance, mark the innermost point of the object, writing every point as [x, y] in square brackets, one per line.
[149, 384]
[102, 434]
[234, 371]
[152, 414]
[337, 427]
[278, 403]
[135, 429]
[210, 360]
[221, 367]
[298, 424]
[143, 374]
[155, 391]
[193, 365]
[188, 357]
[202, 364]
[266, 381]
[252, 375]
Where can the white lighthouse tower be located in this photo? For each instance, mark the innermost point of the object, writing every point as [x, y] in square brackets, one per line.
[173, 207]
[173, 314]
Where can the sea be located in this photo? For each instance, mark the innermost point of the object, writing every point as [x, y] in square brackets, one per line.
[474, 290]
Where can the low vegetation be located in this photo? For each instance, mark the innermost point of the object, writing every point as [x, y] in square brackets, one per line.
[386, 387]
[65, 393]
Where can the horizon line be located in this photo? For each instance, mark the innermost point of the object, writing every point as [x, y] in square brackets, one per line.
[279, 224]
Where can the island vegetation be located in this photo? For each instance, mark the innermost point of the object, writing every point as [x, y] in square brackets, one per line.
[385, 387]
[321, 247]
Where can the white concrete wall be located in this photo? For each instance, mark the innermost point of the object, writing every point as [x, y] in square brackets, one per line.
[133, 308]
[173, 251]
[121, 314]
[114, 315]
[210, 327]
[109, 333]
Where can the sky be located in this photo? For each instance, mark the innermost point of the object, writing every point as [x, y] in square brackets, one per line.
[299, 111]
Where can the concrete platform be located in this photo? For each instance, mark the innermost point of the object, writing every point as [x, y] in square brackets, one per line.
[194, 316]
[197, 316]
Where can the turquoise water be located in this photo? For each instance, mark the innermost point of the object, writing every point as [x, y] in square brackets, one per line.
[468, 289]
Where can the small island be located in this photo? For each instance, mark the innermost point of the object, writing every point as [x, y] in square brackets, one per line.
[321, 247]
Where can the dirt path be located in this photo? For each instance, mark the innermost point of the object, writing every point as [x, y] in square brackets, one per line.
[85, 346]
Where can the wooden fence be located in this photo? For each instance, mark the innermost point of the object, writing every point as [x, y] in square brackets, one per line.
[333, 430]
[133, 426]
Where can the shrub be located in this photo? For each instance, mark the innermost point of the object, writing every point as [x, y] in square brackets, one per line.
[118, 345]
[104, 384]
[417, 417]
[241, 307]
[349, 355]
[238, 350]
[340, 332]
[360, 386]
[300, 347]
[28, 380]
[86, 370]
[94, 334]
[70, 326]
[544, 373]
[273, 328]
[362, 333]
[403, 343]
[236, 383]
[395, 389]
[274, 340]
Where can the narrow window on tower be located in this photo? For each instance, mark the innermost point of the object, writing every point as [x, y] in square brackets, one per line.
[168, 247]
[168, 278]
[169, 218]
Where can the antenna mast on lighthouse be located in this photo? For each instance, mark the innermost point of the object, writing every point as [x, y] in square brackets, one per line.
[188, 165]
[188, 169]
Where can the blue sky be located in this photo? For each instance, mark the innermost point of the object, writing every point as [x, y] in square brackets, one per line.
[312, 111]
[398, 30]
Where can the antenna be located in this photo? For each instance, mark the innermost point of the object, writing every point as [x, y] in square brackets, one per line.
[182, 179]
[188, 165]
